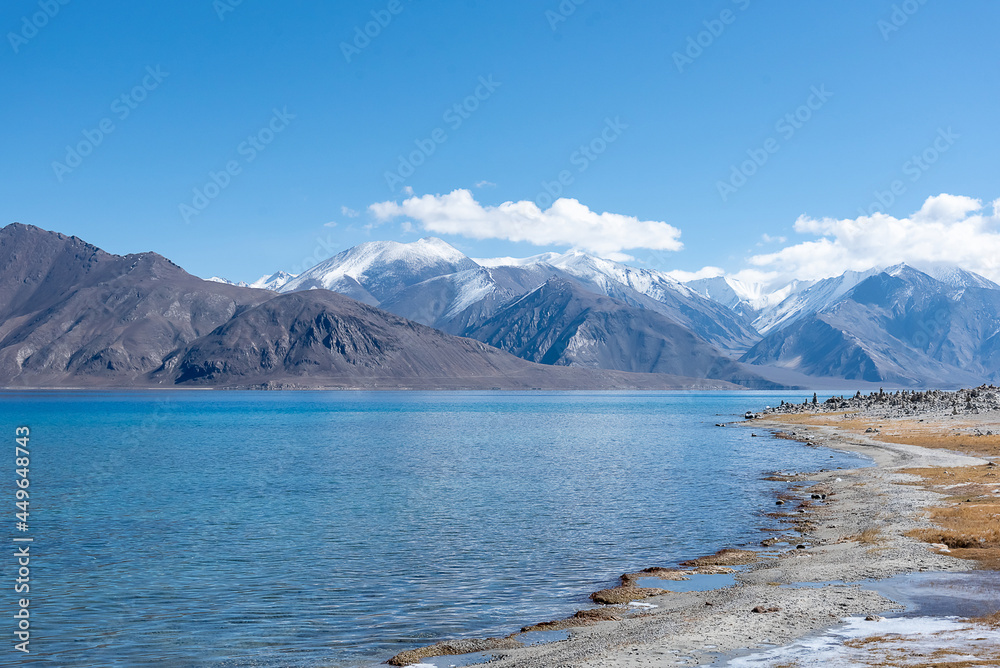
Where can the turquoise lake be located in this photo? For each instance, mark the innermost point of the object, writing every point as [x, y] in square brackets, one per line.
[339, 528]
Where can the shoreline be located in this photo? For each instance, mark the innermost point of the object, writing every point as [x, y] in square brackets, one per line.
[859, 532]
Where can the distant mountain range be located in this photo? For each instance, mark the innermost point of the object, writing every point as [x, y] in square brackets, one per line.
[424, 315]
[72, 315]
[893, 325]
[898, 326]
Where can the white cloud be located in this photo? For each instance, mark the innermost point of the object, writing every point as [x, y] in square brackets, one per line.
[567, 222]
[704, 272]
[767, 238]
[947, 230]
[752, 276]
[349, 212]
[486, 184]
[330, 224]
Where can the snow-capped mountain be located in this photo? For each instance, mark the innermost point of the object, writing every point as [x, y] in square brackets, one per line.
[813, 298]
[646, 289]
[374, 271]
[859, 325]
[960, 278]
[226, 281]
[749, 299]
[899, 326]
[541, 258]
[776, 308]
[434, 283]
[273, 282]
[564, 324]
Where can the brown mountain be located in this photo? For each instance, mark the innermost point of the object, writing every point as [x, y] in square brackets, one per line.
[72, 315]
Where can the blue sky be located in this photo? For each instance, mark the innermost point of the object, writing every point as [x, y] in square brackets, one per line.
[208, 86]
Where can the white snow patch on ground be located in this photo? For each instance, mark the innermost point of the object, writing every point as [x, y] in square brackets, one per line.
[897, 641]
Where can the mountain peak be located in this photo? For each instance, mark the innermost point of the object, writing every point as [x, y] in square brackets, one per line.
[273, 282]
[372, 271]
[957, 277]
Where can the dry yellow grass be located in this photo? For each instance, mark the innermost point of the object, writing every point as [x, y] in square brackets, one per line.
[892, 650]
[657, 572]
[970, 525]
[872, 536]
[858, 643]
[943, 436]
[811, 418]
[992, 620]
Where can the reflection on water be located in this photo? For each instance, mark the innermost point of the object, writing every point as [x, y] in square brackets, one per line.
[337, 529]
[970, 594]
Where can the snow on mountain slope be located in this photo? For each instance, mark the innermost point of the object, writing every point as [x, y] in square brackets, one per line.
[723, 290]
[653, 290]
[375, 270]
[226, 281]
[273, 282]
[784, 306]
[452, 302]
[516, 261]
[749, 299]
[601, 273]
[598, 271]
[899, 325]
[960, 278]
[814, 298]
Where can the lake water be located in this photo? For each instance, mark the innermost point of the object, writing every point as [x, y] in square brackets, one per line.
[339, 528]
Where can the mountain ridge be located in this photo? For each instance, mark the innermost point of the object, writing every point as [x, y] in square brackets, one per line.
[73, 315]
[823, 328]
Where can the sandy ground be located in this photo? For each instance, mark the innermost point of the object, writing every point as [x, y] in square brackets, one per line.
[859, 531]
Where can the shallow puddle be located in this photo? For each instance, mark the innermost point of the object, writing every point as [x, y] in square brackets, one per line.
[454, 661]
[966, 594]
[696, 583]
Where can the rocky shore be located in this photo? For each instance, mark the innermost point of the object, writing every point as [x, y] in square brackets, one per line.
[838, 529]
[898, 404]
